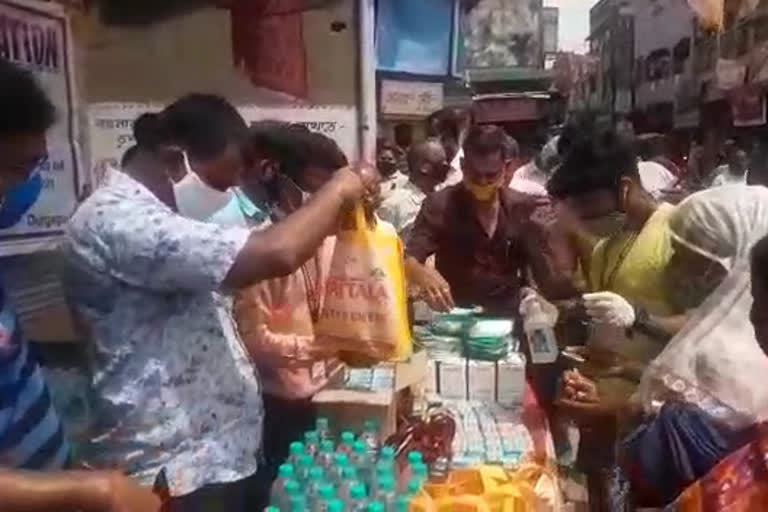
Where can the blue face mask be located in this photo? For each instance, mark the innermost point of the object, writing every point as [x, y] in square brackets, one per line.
[19, 199]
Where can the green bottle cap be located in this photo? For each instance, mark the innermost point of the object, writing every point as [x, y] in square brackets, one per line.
[306, 461]
[326, 446]
[311, 436]
[387, 453]
[349, 473]
[285, 471]
[414, 457]
[387, 483]
[271, 509]
[371, 426]
[357, 491]
[414, 487]
[298, 503]
[341, 459]
[322, 423]
[297, 448]
[402, 502]
[316, 473]
[420, 470]
[292, 487]
[326, 492]
[383, 468]
[347, 438]
[358, 447]
[335, 505]
[375, 506]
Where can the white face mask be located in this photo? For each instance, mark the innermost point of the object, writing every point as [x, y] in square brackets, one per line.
[195, 198]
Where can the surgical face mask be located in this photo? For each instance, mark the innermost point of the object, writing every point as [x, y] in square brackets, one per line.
[290, 197]
[483, 193]
[195, 198]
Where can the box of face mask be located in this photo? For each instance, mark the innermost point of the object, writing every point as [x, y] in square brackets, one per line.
[510, 379]
[481, 381]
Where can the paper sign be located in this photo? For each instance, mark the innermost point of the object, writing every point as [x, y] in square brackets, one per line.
[36, 36]
[110, 128]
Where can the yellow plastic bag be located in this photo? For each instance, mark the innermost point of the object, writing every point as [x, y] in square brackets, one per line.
[365, 311]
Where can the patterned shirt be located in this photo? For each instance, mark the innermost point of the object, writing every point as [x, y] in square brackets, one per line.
[173, 384]
[31, 435]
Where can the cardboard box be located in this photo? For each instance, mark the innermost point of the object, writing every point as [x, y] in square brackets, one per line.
[349, 409]
[481, 381]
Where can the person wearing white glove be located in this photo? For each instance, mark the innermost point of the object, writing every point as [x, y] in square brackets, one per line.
[609, 308]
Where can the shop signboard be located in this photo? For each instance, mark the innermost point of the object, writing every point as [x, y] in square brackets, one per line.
[410, 99]
[36, 36]
[110, 127]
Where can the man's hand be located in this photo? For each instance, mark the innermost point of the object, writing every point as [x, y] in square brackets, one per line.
[358, 182]
[433, 288]
[580, 400]
[125, 495]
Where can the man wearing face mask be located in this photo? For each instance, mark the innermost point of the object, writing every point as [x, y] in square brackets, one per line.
[175, 392]
[276, 317]
[485, 237]
[387, 163]
[428, 167]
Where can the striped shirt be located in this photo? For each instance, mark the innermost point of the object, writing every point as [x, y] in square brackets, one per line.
[31, 435]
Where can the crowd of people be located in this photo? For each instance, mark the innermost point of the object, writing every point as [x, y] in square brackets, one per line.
[197, 273]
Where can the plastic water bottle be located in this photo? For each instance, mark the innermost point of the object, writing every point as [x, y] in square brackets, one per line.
[323, 429]
[420, 472]
[326, 454]
[376, 506]
[282, 500]
[348, 479]
[347, 440]
[539, 326]
[295, 450]
[357, 499]
[383, 470]
[362, 461]
[414, 458]
[336, 505]
[325, 495]
[311, 442]
[414, 487]
[340, 461]
[314, 483]
[303, 468]
[278, 495]
[387, 455]
[385, 492]
[370, 437]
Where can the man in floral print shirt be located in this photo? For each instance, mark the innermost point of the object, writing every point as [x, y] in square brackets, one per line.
[174, 386]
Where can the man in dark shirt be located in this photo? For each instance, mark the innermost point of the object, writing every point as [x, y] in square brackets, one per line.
[487, 239]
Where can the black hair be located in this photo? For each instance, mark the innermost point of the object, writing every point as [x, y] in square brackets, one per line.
[203, 124]
[128, 156]
[579, 127]
[383, 144]
[295, 147]
[24, 106]
[759, 258]
[446, 122]
[485, 140]
[594, 164]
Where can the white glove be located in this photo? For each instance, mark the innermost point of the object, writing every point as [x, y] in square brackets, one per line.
[609, 308]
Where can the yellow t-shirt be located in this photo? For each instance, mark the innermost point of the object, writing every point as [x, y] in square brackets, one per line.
[635, 269]
[633, 266]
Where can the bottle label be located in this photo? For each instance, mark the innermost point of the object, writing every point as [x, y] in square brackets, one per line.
[543, 346]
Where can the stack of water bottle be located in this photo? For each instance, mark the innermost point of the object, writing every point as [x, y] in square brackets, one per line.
[355, 475]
